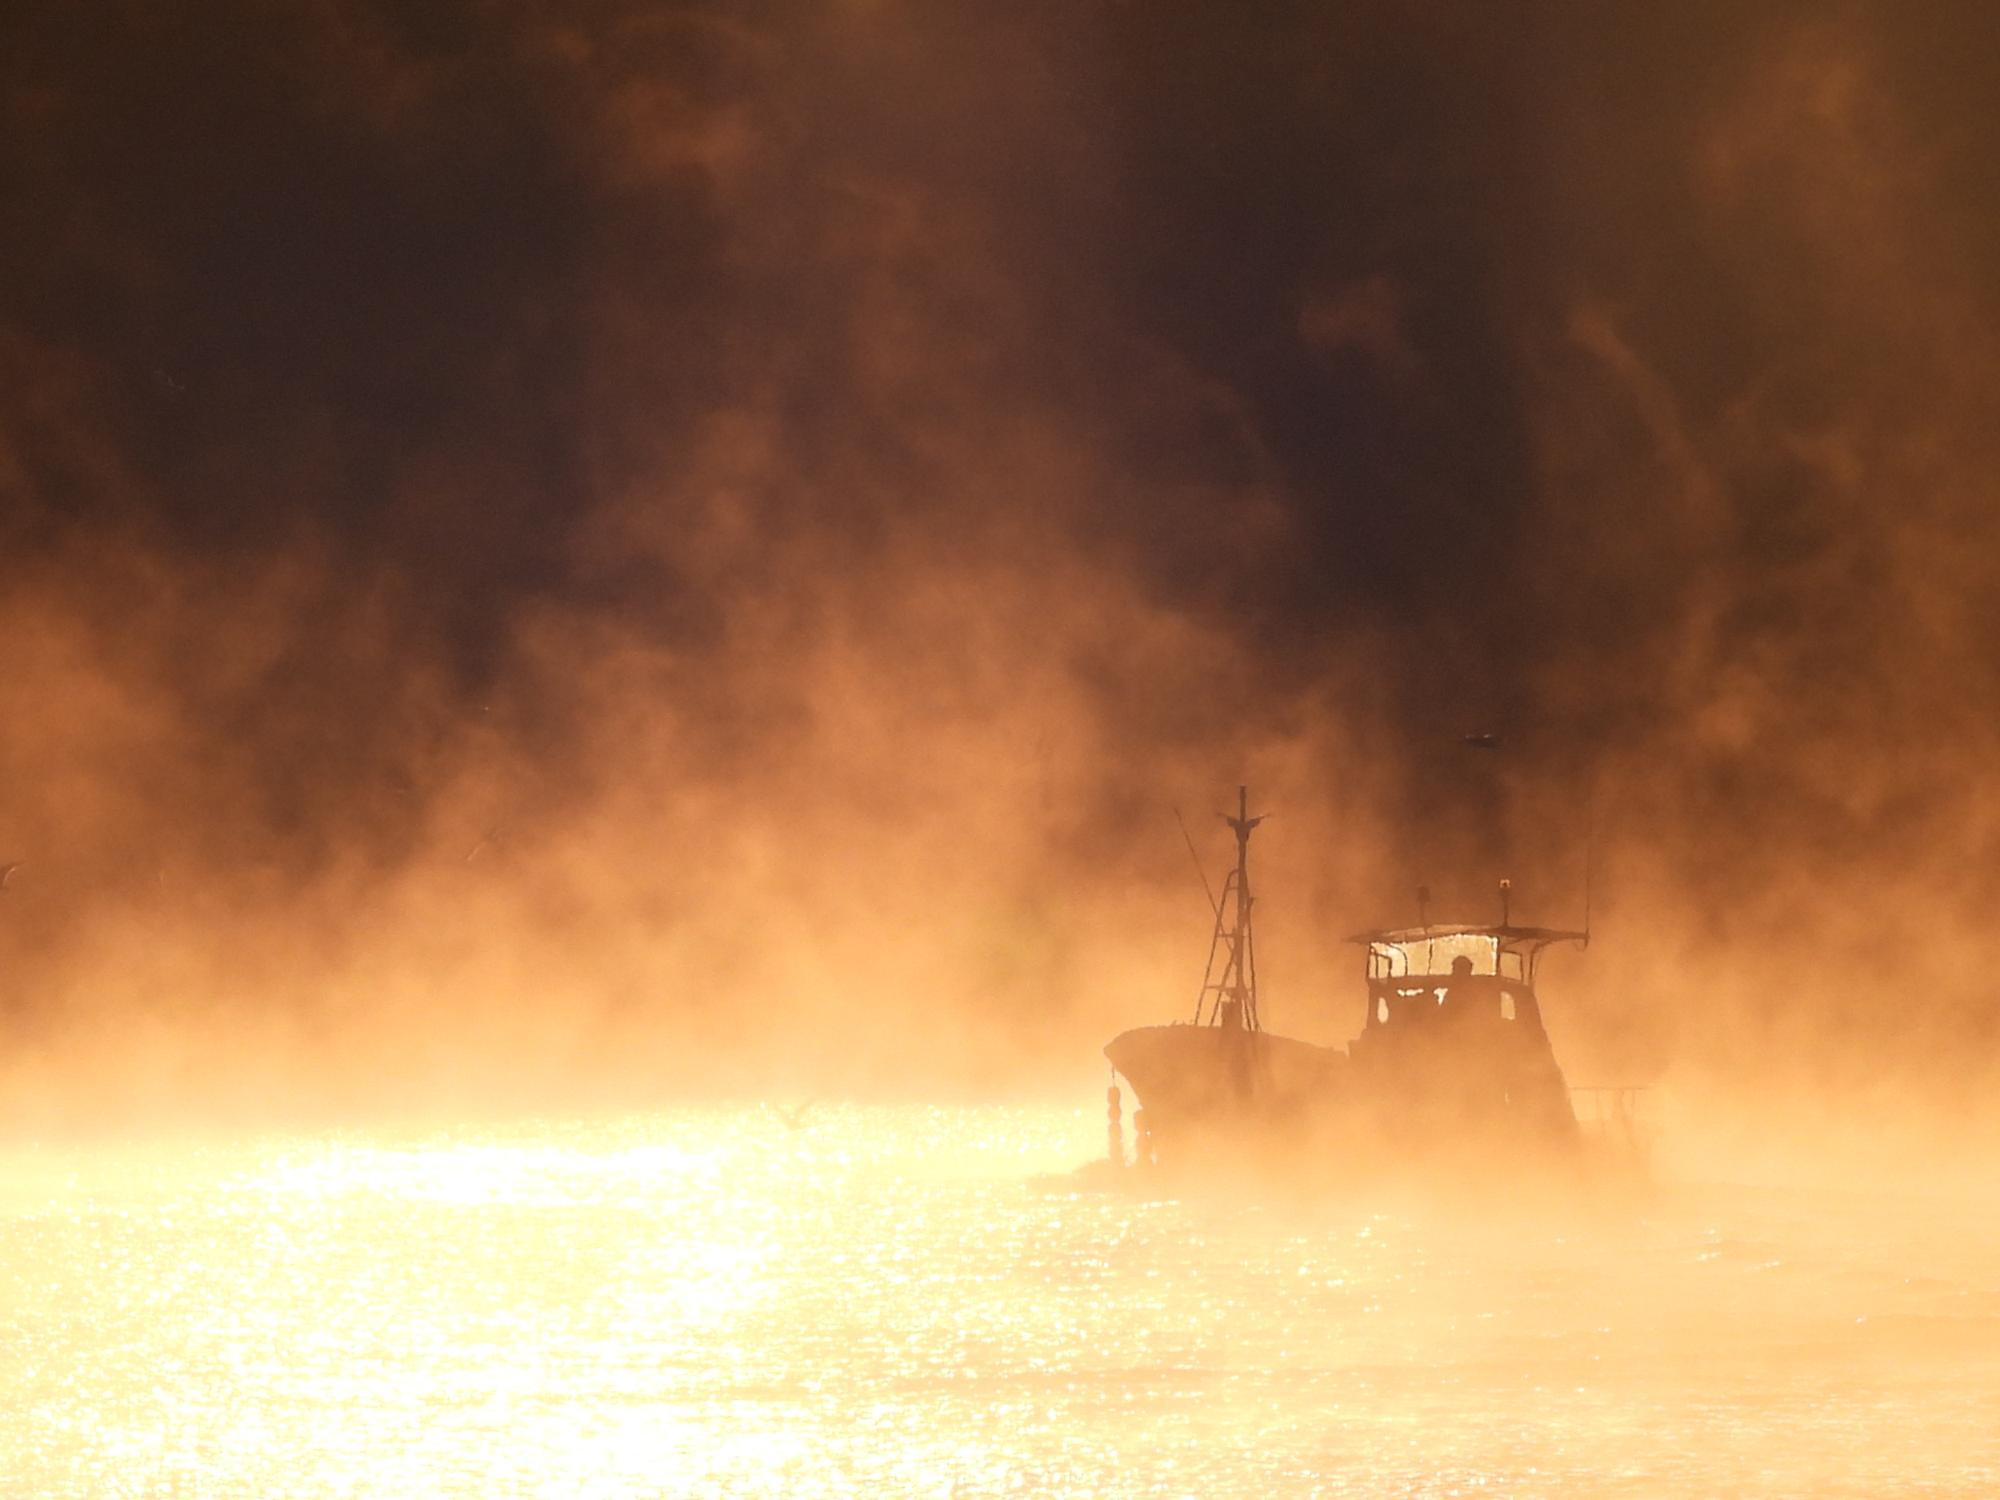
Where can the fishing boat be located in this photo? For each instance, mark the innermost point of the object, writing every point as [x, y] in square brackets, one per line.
[1452, 1056]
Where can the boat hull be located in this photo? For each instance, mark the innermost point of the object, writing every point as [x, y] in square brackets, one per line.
[1212, 1078]
[1453, 1091]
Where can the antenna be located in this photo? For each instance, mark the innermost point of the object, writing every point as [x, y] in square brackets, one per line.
[1589, 849]
[1589, 861]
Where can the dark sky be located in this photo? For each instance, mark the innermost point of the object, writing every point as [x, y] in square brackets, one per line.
[432, 284]
[1617, 377]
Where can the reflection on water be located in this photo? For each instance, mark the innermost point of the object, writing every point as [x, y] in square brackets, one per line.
[877, 1302]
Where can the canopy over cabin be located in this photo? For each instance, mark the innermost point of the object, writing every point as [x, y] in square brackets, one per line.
[1446, 969]
[1504, 952]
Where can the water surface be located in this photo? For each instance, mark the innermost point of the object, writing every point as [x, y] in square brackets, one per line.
[880, 1302]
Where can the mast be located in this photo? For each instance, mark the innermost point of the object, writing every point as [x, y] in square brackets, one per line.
[1234, 940]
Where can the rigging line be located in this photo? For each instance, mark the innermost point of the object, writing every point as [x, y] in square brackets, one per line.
[1207, 890]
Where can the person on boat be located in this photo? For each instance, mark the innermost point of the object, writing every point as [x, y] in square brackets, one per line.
[1461, 982]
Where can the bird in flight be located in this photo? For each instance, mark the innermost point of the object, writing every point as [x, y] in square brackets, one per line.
[1481, 741]
[490, 839]
[7, 873]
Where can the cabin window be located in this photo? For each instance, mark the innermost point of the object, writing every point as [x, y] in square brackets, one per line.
[1440, 954]
[1434, 956]
[1381, 1010]
[1506, 1005]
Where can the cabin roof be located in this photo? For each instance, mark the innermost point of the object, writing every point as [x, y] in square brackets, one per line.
[1508, 936]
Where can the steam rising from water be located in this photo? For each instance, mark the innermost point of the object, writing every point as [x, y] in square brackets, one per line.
[660, 550]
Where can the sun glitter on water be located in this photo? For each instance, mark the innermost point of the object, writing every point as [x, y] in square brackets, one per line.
[882, 1301]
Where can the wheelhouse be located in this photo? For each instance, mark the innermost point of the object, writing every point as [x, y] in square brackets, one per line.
[1420, 974]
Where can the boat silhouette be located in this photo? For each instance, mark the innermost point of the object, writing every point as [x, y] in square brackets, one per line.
[1452, 1058]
